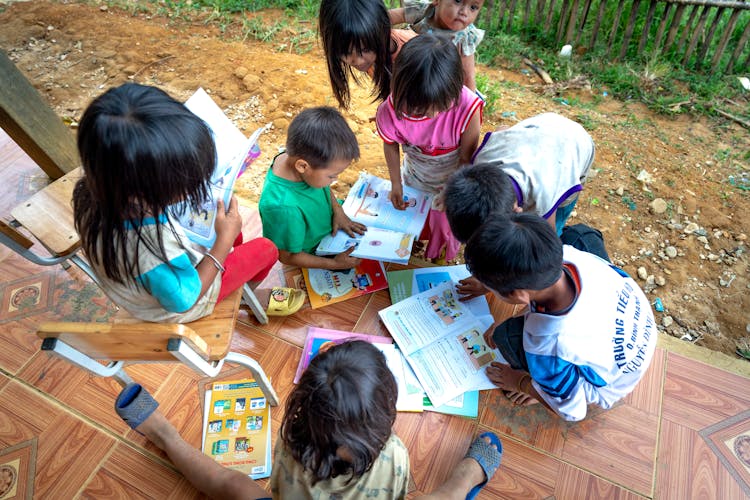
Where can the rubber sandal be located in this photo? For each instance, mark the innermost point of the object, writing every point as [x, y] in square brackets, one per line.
[285, 301]
[135, 404]
[487, 456]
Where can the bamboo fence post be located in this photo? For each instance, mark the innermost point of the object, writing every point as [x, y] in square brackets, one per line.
[673, 27]
[707, 42]
[550, 13]
[662, 27]
[688, 27]
[738, 49]
[647, 26]
[615, 25]
[526, 12]
[511, 15]
[501, 14]
[561, 22]
[586, 9]
[728, 29]
[539, 17]
[572, 21]
[488, 11]
[599, 17]
[696, 33]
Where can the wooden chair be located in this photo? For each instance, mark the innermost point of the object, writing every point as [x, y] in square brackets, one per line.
[203, 345]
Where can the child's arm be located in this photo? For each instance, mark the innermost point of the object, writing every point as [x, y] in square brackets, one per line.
[228, 225]
[397, 16]
[392, 153]
[470, 139]
[302, 259]
[342, 221]
[467, 62]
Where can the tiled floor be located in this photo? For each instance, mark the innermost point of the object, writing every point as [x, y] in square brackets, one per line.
[679, 435]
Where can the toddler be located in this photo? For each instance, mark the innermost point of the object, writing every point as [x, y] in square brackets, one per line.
[142, 151]
[454, 18]
[437, 121]
[296, 205]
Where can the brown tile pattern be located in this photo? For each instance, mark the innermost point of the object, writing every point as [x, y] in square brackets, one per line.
[18, 470]
[673, 437]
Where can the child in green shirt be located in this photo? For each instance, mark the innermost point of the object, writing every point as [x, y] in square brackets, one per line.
[296, 206]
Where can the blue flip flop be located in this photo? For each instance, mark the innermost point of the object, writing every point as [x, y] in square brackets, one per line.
[135, 404]
[487, 456]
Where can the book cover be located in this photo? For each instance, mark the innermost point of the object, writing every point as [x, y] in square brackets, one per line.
[321, 339]
[463, 405]
[237, 427]
[234, 153]
[325, 287]
[410, 393]
[390, 232]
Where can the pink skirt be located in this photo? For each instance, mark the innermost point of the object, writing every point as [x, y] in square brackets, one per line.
[438, 231]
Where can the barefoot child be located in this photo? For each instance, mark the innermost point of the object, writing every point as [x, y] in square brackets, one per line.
[437, 121]
[589, 333]
[296, 205]
[143, 151]
[357, 34]
[453, 18]
[336, 438]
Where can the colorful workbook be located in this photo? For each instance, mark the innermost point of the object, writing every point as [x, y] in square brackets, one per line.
[390, 232]
[234, 153]
[325, 287]
[237, 427]
[443, 342]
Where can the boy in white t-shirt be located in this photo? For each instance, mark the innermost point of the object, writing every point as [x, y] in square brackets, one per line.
[589, 333]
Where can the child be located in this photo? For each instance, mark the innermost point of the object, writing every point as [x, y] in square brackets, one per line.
[143, 151]
[357, 34]
[589, 333]
[297, 206]
[336, 438]
[454, 18]
[437, 120]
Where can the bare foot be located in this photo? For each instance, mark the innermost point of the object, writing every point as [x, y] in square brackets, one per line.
[520, 398]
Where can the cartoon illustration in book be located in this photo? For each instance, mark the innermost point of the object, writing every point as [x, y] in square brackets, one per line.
[445, 307]
[239, 405]
[222, 405]
[361, 281]
[220, 447]
[241, 444]
[214, 426]
[476, 349]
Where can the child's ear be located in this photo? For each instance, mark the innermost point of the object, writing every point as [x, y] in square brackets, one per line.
[301, 165]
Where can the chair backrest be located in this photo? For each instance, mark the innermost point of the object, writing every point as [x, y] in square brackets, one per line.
[129, 339]
[48, 215]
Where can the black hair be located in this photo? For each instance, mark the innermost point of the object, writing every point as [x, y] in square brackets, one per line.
[472, 193]
[515, 252]
[347, 25]
[346, 398]
[427, 76]
[141, 151]
[321, 135]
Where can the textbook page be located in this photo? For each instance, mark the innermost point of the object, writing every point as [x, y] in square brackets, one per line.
[234, 152]
[369, 202]
[442, 341]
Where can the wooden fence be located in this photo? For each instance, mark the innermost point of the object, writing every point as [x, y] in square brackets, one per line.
[679, 30]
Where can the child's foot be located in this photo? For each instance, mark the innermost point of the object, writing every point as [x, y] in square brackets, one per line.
[281, 301]
[520, 398]
[139, 410]
[487, 451]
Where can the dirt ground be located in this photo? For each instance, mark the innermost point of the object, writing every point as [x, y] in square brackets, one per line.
[668, 192]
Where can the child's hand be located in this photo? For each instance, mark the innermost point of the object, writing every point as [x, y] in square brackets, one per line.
[343, 222]
[471, 288]
[344, 260]
[488, 339]
[228, 223]
[397, 197]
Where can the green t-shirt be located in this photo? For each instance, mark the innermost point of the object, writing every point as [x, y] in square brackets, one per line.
[295, 215]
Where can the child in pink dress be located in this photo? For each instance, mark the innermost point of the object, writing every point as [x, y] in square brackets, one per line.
[437, 121]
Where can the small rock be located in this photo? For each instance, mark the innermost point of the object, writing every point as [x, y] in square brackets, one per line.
[281, 123]
[620, 191]
[642, 273]
[713, 257]
[671, 252]
[741, 237]
[251, 82]
[650, 280]
[691, 228]
[667, 321]
[658, 206]
[103, 8]
[241, 72]
[660, 281]
[702, 239]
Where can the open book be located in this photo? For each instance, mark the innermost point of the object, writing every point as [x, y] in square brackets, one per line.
[443, 342]
[325, 287]
[237, 427]
[234, 152]
[390, 232]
